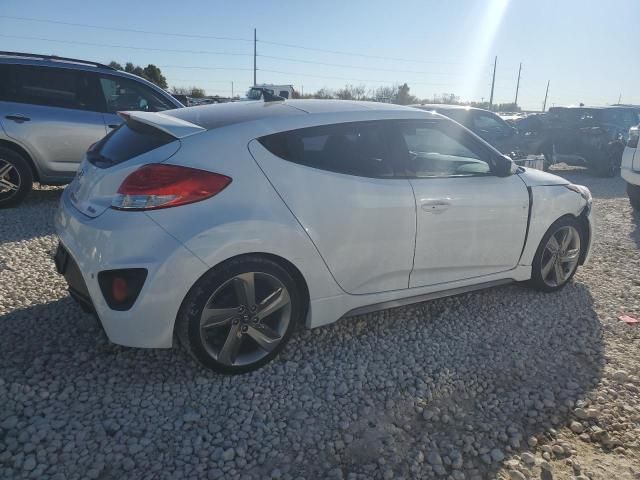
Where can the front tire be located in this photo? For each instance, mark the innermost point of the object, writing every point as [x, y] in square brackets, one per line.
[16, 178]
[240, 314]
[633, 192]
[558, 255]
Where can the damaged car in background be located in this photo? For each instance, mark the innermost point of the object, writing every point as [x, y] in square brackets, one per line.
[523, 147]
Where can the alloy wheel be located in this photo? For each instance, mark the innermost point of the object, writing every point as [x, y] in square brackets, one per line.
[245, 319]
[560, 256]
[9, 178]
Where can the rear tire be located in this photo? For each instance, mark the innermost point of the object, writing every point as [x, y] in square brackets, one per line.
[633, 192]
[16, 178]
[553, 267]
[225, 330]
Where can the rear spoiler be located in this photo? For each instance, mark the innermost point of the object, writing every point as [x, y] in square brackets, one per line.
[173, 126]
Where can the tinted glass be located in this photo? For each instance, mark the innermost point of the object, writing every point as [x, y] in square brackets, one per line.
[357, 148]
[121, 94]
[489, 124]
[622, 117]
[53, 87]
[435, 149]
[5, 82]
[459, 115]
[127, 141]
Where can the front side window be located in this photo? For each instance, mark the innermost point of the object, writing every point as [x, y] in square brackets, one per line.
[357, 148]
[121, 94]
[49, 86]
[435, 149]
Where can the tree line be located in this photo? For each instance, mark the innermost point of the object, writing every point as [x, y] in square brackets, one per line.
[399, 94]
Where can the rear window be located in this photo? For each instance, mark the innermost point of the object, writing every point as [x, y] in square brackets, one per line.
[127, 141]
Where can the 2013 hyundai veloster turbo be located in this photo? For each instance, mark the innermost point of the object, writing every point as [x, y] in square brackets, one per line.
[227, 225]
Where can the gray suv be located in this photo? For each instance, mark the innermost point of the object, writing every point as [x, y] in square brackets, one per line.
[53, 108]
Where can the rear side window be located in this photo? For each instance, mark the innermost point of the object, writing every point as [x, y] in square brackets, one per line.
[122, 94]
[357, 148]
[48, 86]
[127, 141]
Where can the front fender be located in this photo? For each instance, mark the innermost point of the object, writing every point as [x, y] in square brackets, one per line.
[548, 204]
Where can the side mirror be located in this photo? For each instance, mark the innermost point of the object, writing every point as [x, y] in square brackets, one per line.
[505, 166]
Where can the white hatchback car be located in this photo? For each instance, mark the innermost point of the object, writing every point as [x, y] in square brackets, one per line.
[630, 167]
[228, 225]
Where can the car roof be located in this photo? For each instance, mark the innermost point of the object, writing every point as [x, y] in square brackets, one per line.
[14, 58]
[446, 106]
[224, 114]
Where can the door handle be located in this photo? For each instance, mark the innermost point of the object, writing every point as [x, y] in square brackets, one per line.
[113, 125]
[17, 117]
[435, 206]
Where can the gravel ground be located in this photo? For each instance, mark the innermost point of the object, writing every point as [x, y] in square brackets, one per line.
[506, 383]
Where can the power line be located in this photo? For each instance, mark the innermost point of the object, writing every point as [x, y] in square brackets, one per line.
[132, 30]
[205, 68]
[214, 37]
[74, 42]
[353, 54]
[358, 67]
[352, 79]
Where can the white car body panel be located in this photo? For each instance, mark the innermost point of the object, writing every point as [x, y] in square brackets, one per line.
[275, 216]
[465, 230]
[105, 243]
[630, 167]
[173, 126]
[364, 228]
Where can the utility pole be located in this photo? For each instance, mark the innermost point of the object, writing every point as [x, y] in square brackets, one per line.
[544, 105]
[493, 82]
[518, 85]
[254, 56]
[619, 98]
[231, 89]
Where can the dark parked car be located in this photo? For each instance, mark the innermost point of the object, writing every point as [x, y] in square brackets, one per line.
[523, 146]
[591, 136]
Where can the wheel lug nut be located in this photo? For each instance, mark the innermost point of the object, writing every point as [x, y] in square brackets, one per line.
[236, 321]
[254, 308]
[244, 329]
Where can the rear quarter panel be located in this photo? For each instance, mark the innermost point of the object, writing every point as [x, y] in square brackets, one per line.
[247, 217]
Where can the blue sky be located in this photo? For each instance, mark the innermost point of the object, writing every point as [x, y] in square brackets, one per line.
[585, 48]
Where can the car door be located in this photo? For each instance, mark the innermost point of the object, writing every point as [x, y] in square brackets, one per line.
[122, 94]
[339, 182]
[52, 112]
[470, 222]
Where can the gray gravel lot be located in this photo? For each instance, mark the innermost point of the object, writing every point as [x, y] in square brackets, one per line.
[506, 383]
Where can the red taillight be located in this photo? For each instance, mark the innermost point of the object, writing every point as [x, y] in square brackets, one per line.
[161, 186]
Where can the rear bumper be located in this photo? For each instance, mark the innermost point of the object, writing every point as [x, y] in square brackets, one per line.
[119, 240]
[67, 267]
